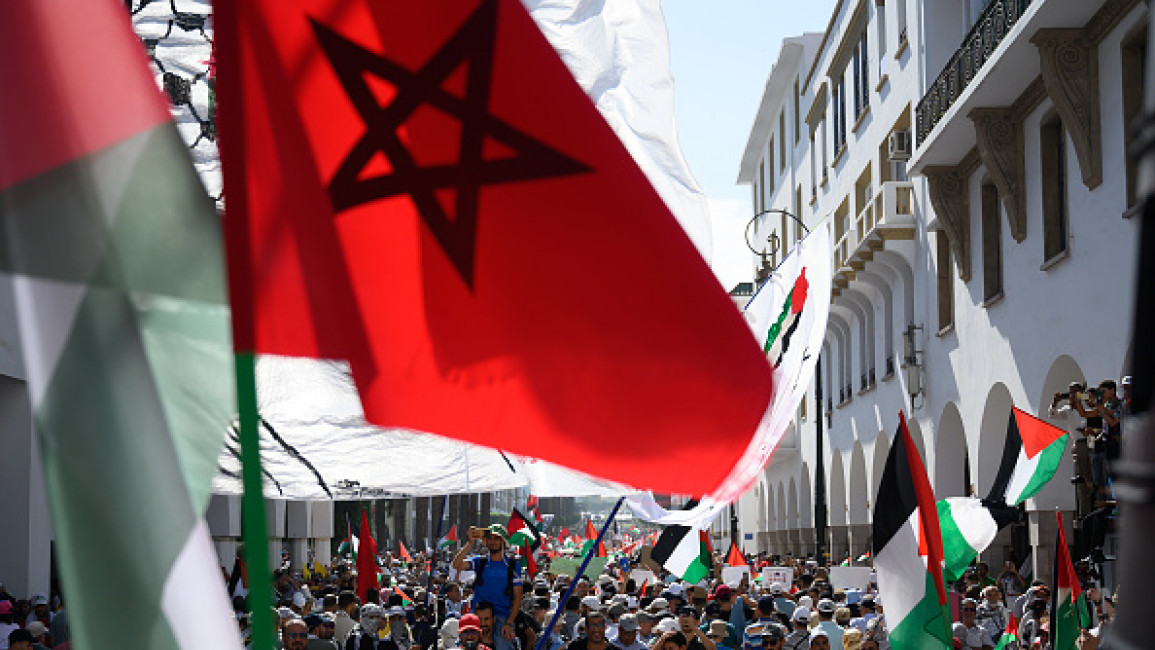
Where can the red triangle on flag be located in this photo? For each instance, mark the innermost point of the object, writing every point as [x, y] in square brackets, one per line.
[382, 268]
[735, 557]
[1036, 434]
[591, 532]
[403, 554]
[929, 534]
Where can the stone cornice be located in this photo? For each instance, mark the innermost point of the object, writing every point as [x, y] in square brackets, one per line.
[999, 135]
[1070, 67]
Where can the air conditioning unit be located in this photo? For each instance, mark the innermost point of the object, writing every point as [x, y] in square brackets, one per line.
[900, 145]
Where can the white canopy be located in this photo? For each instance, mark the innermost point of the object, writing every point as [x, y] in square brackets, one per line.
[316, 444]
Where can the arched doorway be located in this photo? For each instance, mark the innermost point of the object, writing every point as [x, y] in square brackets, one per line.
[951, 461]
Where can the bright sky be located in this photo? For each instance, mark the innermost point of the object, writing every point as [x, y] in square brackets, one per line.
[722, 52]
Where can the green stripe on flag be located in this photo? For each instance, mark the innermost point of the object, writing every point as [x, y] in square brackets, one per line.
[1044, 466]
[967, 530]
[927, 626]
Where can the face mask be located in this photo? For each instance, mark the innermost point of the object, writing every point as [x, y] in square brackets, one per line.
[369, 624]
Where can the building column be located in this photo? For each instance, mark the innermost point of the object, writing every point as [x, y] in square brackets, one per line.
[224, 521]
[275, 520]
[485, 507]
[1042, 529]
[838, 544]
[859, 539]
[322, 529]
[26, 532]
[421, 532]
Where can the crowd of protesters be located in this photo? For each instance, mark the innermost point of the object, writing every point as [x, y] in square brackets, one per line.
[481, 598]
[1096, 416]
[423, 605]
[32, 623]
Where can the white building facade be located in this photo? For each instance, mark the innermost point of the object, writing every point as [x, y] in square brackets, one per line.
[970, 160]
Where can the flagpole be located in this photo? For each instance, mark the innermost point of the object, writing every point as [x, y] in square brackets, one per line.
[581, 571]
[436, 550]
[253, 528]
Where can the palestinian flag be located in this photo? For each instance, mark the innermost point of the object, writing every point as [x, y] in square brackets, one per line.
[591, 532]
[685, 552]
[403, 553]
[406, 601]
[588, 546]
[113, 268]
[1010, 634]
[968, 526]
[864, 557]
[1068, 604]
[238, 579]
[735, 557]
[564, 534]
[450, 539]
[1031, 455]
[522, 532]
[908, 547]
[348, 546]
[642, 588]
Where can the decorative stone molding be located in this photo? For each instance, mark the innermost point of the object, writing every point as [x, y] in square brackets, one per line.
[951, 201]
[1070, 67]
[999, 135]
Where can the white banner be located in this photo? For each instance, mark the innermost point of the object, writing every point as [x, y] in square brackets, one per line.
[788, 318]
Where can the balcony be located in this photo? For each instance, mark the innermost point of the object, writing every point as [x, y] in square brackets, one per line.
[888, 216]
[977, 48]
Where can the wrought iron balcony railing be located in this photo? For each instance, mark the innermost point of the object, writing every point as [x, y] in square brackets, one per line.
[980, 43]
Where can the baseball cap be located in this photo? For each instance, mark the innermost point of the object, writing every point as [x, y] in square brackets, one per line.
[39, 599]
[801, 615]
[628, 622]
[826, 606]
[5, 607]
[592, 602]
[773, 631]
[677, 589]
[36, 628]
[722, 592]
[469, 622]
[395, 611]
[777, 589]
[659, 605]
[718, 628]
[498, 530]
[667, 625]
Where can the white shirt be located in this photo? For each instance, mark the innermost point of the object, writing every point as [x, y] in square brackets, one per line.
[5, 630]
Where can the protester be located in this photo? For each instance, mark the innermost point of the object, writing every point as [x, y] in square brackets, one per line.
[827, 624]
[469, 633]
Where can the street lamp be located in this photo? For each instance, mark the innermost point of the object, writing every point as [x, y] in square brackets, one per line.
[769, 257]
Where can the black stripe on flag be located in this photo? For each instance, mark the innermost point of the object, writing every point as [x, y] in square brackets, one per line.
[896, 500]
[669, 540]
[1011, 449]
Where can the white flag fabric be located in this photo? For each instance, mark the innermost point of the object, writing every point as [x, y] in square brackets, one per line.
[619, 53]
[788, 317]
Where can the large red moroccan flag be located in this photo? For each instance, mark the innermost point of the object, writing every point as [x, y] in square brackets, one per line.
[422, 189]
[366, 561]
